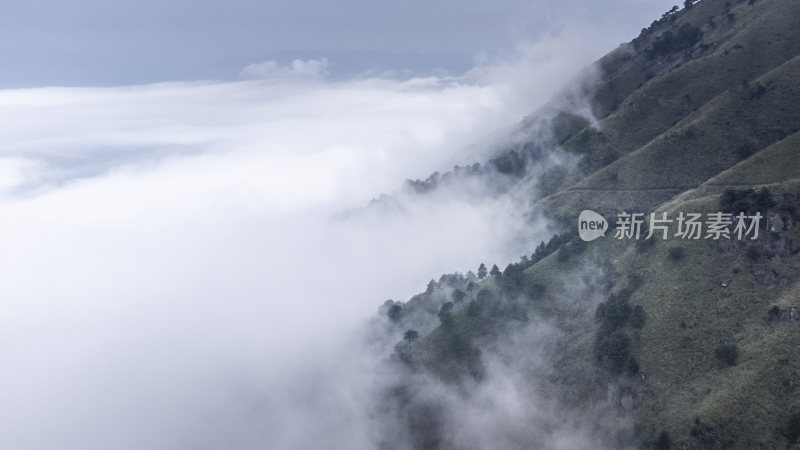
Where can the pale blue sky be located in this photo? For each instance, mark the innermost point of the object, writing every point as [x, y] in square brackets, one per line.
[102, 42]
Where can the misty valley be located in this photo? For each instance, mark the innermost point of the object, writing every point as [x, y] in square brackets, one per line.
[526, 250]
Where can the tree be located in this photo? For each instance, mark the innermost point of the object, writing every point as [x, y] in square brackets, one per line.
[458, 296]
[394, 312]
[495, 272]
[688, 3]
[446, 314]
[431, 287]
[482, 271]
[511, 282]
[410, 336]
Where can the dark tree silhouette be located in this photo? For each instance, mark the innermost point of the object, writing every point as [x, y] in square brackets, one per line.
[446, 314]
[482, 271]
[458, 296]
[431, 287]
[394, 312]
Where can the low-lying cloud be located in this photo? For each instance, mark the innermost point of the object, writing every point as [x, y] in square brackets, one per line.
[179, 273]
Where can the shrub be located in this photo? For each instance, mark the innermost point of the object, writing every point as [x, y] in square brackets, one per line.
[774, 314]
[748, 201]
[676, 253]
[728, 354]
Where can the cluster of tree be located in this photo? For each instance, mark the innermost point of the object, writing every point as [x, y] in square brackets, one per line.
[510, 163]
[454, 280]
[669, 13]
[485, 306]
[492, 309]
[612, 347]
[403, 349]
[482, 272]
[394, 311]
[512, 280]
[446, 315]
[544, 250]
[666, 19]
[436, 178]
[671, 43]
[748, 201]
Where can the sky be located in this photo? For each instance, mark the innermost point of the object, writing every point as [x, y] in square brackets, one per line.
[186, 252]
[97, 42]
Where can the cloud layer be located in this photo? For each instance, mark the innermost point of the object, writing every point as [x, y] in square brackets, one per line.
[179, 272]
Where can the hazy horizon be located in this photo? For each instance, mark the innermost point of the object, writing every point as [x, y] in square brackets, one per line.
[94, 43]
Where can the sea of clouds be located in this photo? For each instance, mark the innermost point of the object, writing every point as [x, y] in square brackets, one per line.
[187, 265]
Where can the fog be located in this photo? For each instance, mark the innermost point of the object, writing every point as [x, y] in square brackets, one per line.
[193, 265]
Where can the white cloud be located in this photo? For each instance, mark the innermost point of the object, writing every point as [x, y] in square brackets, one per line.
[176, 268]
[298, 69]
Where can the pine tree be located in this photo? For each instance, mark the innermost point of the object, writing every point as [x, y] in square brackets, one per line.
[482, 271]
[431, 287]
[495, 272]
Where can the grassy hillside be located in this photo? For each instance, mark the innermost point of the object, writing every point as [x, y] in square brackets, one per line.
[664, 343]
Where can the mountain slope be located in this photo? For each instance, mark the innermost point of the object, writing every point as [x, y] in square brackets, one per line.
[653, 343]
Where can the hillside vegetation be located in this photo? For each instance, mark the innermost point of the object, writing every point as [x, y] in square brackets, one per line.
[655, 343]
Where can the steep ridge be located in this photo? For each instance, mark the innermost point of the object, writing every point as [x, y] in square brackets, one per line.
[658, 115]
[673, 343]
